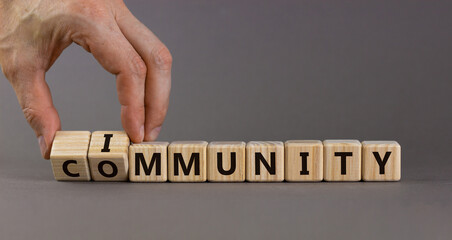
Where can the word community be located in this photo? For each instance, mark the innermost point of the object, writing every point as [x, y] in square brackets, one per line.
[109, 156]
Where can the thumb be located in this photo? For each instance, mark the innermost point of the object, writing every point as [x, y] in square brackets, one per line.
[35, 99]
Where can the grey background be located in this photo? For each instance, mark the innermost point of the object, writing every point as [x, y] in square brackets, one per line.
[257, 70]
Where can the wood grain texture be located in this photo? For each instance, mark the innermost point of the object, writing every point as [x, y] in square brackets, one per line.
[154, 155]
[334, 169]
[231, 163]
[109, 163]
[268, 152]
[70, 153]
[391, 167]
[187, 161]
[303, 160]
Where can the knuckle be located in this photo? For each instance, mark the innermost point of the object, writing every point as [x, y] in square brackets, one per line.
[41, 118]
[88, 9]
[31, 115]
[138, 67]
[161, 58]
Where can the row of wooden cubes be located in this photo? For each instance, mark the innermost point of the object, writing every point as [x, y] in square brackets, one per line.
[109, 156]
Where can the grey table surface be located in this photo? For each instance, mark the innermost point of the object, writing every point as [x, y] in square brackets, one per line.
[34, 206]
[256, 70]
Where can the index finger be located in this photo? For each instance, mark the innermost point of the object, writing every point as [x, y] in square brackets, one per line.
[114, 52]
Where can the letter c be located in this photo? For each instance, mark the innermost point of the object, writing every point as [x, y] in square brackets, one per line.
[66, 170]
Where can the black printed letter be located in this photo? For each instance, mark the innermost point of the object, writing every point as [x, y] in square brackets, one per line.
[220, 164]
[194, 159]
[304, 163]
[343, 156]
[259, 158]
[100, 167]
[66, 170]
[382, 163]
[156, 159]
[107, 142]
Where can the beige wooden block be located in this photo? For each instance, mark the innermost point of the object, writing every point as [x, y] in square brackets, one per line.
[108, 156]
[69, 156]
[226, 161]
[342, 160]
[265, 161]
[148, 162]
[187, 161]
[303, 160]
[381, 161]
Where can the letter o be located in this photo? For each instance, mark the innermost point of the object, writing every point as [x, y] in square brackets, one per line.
[100, 167]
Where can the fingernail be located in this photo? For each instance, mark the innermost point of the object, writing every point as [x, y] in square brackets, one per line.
[42, 145]
[142, 132]
[154, 133]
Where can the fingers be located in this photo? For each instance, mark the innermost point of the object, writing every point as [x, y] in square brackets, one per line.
[36, 101]
[112, 50]
[158, 62]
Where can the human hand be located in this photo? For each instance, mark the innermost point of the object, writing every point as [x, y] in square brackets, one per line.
[33, 33]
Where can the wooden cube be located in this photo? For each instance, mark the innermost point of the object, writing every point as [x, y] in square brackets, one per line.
[148, 162]
[226, 161]
[342, 160]
[69, 156]
[303, 160]
[264, 161]
[187, 161]
[108, 156]
[381, 161]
